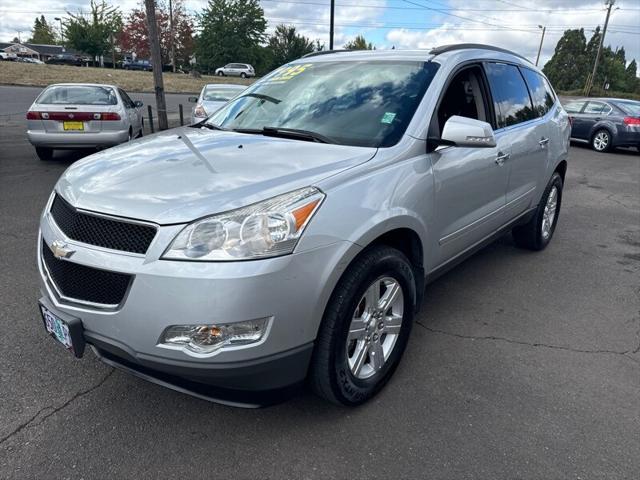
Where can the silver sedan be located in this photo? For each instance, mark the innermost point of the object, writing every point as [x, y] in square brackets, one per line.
[212, 97]
[73, 115]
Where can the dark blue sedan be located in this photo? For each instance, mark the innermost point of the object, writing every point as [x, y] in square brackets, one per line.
[605, 123]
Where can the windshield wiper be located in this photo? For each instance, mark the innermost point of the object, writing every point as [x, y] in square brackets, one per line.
[211, 126]
[261, 97]
[296, 133]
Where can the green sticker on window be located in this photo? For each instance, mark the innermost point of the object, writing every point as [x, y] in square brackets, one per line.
[388, 117]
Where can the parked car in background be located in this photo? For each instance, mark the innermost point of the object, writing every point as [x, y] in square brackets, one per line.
[64, 59]
[144, 65]
[73, 115]
[211, 98]
[605, 123]
[243, 70]
[289, 236]
[8, 57]
[31, 60]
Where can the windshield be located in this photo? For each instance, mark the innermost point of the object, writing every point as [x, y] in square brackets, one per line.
[217, 94]
[348, 102]
[631, 108]
[78, 95]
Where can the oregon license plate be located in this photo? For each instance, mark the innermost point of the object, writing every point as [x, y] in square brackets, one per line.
[73, 125]
[68, 332]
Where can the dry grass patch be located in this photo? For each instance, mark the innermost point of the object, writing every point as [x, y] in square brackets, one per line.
[26, 74]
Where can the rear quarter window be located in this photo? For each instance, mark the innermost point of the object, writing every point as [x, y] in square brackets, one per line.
[510, 95]
[541, 93]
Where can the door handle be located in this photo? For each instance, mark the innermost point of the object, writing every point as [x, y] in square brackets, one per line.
[500, 159]
[543, 141]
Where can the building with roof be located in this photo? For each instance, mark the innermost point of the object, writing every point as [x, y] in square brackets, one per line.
[34, 50]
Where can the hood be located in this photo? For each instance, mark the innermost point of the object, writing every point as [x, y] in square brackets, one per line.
[179, 175]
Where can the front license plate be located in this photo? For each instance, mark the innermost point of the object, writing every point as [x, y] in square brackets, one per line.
[69, 334]
[73, 125]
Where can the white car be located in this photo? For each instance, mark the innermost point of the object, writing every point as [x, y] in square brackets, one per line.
[211, 98]
[243, 70]
[82, 115]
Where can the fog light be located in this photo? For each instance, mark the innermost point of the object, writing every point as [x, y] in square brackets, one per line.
[207, 339]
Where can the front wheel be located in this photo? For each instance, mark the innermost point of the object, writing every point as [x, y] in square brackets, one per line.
[601, 141]
[537, 233]
[44, 153]
[243, 75]
[221, 74]
[365, 328]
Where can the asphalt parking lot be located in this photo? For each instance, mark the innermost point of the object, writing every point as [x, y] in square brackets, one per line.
[522, 365]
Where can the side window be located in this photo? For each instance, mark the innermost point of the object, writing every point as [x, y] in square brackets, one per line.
[128, 103]
[510, 95]
[551, 95]
[607, 109]
[541, 95]
[594, 108]
[464, 97]
[574, 107]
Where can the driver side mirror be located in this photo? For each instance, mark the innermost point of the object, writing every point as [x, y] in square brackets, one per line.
[193, 99]
[466, 132]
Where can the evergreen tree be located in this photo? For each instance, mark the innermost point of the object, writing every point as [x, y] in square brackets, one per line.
[567, 69]
[286, 45]
[359, 43]
[42, 32]
[231, 31]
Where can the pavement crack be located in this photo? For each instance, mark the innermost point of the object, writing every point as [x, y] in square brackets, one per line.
[32, 421]
[530, 344]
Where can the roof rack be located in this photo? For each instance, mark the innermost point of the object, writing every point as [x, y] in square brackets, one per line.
[325, 52]
[465, 46]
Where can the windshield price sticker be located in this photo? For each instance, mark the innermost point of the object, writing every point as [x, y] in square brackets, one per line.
[287, 73]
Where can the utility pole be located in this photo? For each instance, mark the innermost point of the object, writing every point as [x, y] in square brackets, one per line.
[333, 11]
[590, 81]
[20, 31]
[156, 60]
[544, 29]
[113, 50]
[173, 48]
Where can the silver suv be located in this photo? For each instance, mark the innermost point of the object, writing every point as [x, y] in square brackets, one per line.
[236, 259]
[243, 70]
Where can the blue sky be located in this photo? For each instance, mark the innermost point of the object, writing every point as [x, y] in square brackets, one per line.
[511, 24]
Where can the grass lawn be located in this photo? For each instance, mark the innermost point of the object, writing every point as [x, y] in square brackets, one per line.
[17, 73]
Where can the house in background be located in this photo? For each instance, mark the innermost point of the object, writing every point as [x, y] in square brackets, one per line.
[34, 50]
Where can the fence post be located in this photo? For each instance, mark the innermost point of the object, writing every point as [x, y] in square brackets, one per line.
[150, 118]
[181, 114]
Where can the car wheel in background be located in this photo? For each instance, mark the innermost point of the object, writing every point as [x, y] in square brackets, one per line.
[365, 327]
[221, 74]
[601, 140]
[243, 75]
[44, 153]
[537, 233]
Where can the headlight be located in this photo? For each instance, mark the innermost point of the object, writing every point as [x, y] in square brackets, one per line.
[264, 229]
[208, 339]
[199, 111]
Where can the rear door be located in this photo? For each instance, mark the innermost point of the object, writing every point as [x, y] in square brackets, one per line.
[517, 122]
[584, 121]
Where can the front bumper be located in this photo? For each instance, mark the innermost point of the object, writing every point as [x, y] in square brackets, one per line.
[291, 290]
[64, 140]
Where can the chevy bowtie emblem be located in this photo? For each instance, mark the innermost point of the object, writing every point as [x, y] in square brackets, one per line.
[61, 249]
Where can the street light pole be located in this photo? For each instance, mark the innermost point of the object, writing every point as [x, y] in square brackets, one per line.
[544, 29]
[590, 80]
[61, 34]
[333, 9]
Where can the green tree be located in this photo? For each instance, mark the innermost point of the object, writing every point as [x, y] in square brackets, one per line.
[287, 45]
[91, 33]
[231, 31]
[632, 80]
[42, 32]
[359, 43]
[567, 69]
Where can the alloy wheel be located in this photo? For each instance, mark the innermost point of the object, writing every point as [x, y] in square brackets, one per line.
[601, 140]
[549, 214]
[375, 327]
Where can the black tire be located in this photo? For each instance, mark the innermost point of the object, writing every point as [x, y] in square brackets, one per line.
[330, 376]
[530, 235]
[243, 75]
[44, 153]
[221, 74]
[602, 133]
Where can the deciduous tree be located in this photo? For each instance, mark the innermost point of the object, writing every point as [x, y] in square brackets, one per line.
[89, 33]
[287, 45]
[359, 43]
